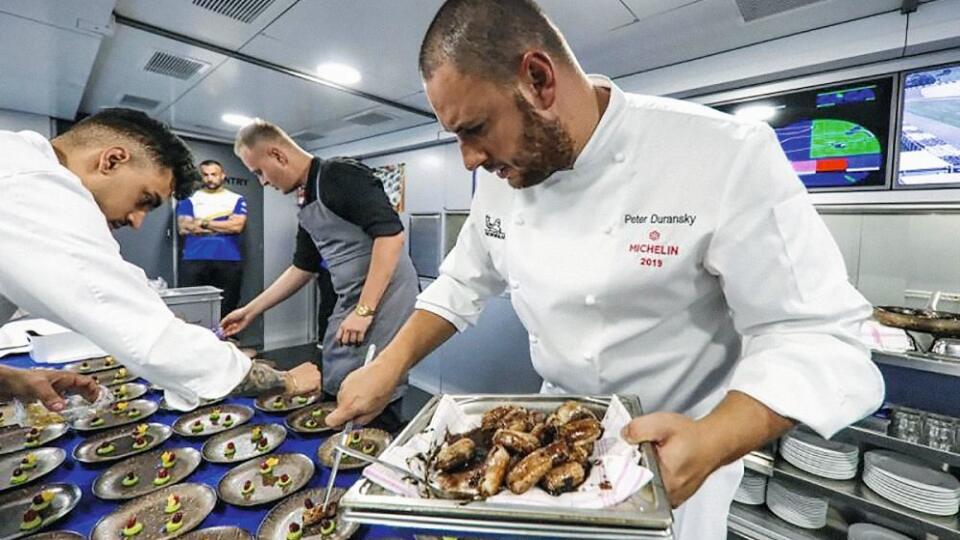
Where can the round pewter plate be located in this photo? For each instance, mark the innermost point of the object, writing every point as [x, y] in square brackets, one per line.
[275, 525]
[196, 502]
[145, 407]
[15, 503]
[326, 454]
[280, 404]
[93, 365]
[15, 440]
[109, 376]
[203, 402]
[109, 485]
[296, 419]
[241, 414]
[48, 459]
[266, 487]
[223, 532]
[122, 438]
[213, 449]
[58, 535]
[134, 390]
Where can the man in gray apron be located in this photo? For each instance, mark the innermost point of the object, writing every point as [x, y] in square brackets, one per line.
[348, 217]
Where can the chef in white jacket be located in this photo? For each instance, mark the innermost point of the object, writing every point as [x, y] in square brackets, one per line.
[58, 201]
[650, 247]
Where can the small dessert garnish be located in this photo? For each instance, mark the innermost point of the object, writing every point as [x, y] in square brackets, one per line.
[284, 481]
[294, 532]
[97, 421]
[268, 465]
[256, 433]
[173, 504]
[41, 500]
[84, 366]
[227, 421]
[277, 402]
[215, 415]
[109, 361]
[31, 520]
[263, 444]
[130, 479]
[18, 476]
[196, 426]
[133, 412]
[369, 448]
[28, 462]
[139, 442]
[318, 413]
[230, 450]
[132, 528]
[141, 429]
[168, 459]
[121, 391]
[120, 374]
[354, 439]
[247, 488]
[327, 526]
[105, 448]
[175, 523]
[119, 407]
[310, 423]
[301, 400]
[163, 476]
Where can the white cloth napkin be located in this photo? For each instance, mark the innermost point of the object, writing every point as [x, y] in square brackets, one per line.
[617, 462]
[884, 338]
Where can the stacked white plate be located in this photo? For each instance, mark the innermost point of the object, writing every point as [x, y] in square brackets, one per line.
[796, 507]
[911, 483]
[816, 455]
[869, 531]
[752, 489]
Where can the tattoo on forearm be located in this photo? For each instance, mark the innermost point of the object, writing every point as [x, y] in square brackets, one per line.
[261, 379]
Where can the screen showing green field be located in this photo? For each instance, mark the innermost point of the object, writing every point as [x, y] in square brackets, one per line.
[834, 137]
[930, 129]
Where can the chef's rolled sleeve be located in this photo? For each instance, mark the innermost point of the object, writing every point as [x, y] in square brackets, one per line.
[467, 279]
[786, 285]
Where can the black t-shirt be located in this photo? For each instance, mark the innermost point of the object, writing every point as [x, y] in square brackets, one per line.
[350, 190]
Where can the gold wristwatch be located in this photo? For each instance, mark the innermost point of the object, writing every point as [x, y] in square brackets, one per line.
[364, 310]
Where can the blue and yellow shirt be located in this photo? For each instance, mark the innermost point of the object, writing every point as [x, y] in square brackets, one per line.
[213, 206]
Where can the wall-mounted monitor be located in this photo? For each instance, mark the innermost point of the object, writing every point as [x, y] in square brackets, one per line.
[836, 137]
[930, 129]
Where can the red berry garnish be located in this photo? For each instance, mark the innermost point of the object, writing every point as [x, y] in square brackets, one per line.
[307, 503]
[30, 515]
[162, 473]
[38, 499]
[132, 521]
[178, 517]
[294, 527]
[17, 472]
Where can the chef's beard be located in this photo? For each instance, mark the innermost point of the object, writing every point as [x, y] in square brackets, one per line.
[545, 147]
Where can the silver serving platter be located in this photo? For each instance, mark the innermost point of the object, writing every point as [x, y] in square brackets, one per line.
[58, 535]
[109, 376]
[134, 390]
[326, 453]
[92, 365]
[266, 486]
[287, 403]
[15, 503]
[48, 459]
[14, 440]
[196, 502]
[296, 419]
[146, 407]
[646, 514]
[203, 402]
[274, 525]
[109, 484]
[246, 449]
[223, 532]
[241, 414]
[122, 438]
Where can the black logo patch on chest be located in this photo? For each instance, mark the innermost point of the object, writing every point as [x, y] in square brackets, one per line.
[492, 227]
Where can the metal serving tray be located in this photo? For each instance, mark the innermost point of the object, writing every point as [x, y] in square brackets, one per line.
[645, 515]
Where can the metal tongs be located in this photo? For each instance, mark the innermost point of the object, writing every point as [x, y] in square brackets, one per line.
[405, 473]
[371, 351]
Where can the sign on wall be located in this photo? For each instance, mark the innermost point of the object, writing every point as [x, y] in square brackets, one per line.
[394, 180]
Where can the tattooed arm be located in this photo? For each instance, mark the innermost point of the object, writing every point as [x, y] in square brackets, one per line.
[263, 379]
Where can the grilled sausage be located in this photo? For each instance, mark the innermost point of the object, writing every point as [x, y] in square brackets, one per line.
[491, 419]
[517, 442]
[580, 451]
[494, 470]
[584, 429]
[455, 454]
[529, 470]
[563, 478]
[460, 484]
[568, 412]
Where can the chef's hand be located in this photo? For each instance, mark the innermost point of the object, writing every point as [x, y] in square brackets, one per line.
[49, 386]
[364, 394]
[237, 320]
[684, 454]
[353, 329]
[303, 379]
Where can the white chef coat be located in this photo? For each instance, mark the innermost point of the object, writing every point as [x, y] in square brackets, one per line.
[679, 259]
[59, 261]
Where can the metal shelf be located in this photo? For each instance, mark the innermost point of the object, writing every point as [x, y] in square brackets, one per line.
[855, 493]
[904, 447]
[759, 523]
[759, 462]
[919, 361]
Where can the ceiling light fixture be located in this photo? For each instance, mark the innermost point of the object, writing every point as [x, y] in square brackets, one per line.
[238, 120]
[758, 112]
[338, 73]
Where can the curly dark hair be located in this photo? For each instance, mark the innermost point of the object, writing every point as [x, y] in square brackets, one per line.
[163, 147]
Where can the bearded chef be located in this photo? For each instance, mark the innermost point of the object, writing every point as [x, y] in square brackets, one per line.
[650, 247]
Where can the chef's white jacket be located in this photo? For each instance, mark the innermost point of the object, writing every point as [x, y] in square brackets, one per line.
[680, 258]
[59, 261]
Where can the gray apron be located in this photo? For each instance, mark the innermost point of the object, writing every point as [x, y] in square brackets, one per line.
[347, 251]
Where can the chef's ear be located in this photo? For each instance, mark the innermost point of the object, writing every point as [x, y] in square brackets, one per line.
[538, 74]
[276, 153]
[111, 158]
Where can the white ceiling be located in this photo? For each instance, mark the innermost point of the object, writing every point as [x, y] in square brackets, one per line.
[69, 57]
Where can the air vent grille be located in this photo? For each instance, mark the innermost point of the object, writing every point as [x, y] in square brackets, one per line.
[244, 11]
[369, 118]
[138, 102]
[752, 10]
[309, 136]
[171, 65]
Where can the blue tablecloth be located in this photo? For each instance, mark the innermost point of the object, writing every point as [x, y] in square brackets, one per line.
[84, 517]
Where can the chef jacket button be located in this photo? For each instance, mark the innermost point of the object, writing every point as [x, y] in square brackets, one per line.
[590, 300]
[518, 220]
[514, 284]
[619, 157]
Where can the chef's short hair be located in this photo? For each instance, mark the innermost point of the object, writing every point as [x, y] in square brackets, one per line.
[258, 131]
[488, 38]
[162, 147]
[211, 162]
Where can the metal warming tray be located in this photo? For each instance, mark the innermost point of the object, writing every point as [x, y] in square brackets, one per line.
[645, 515]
